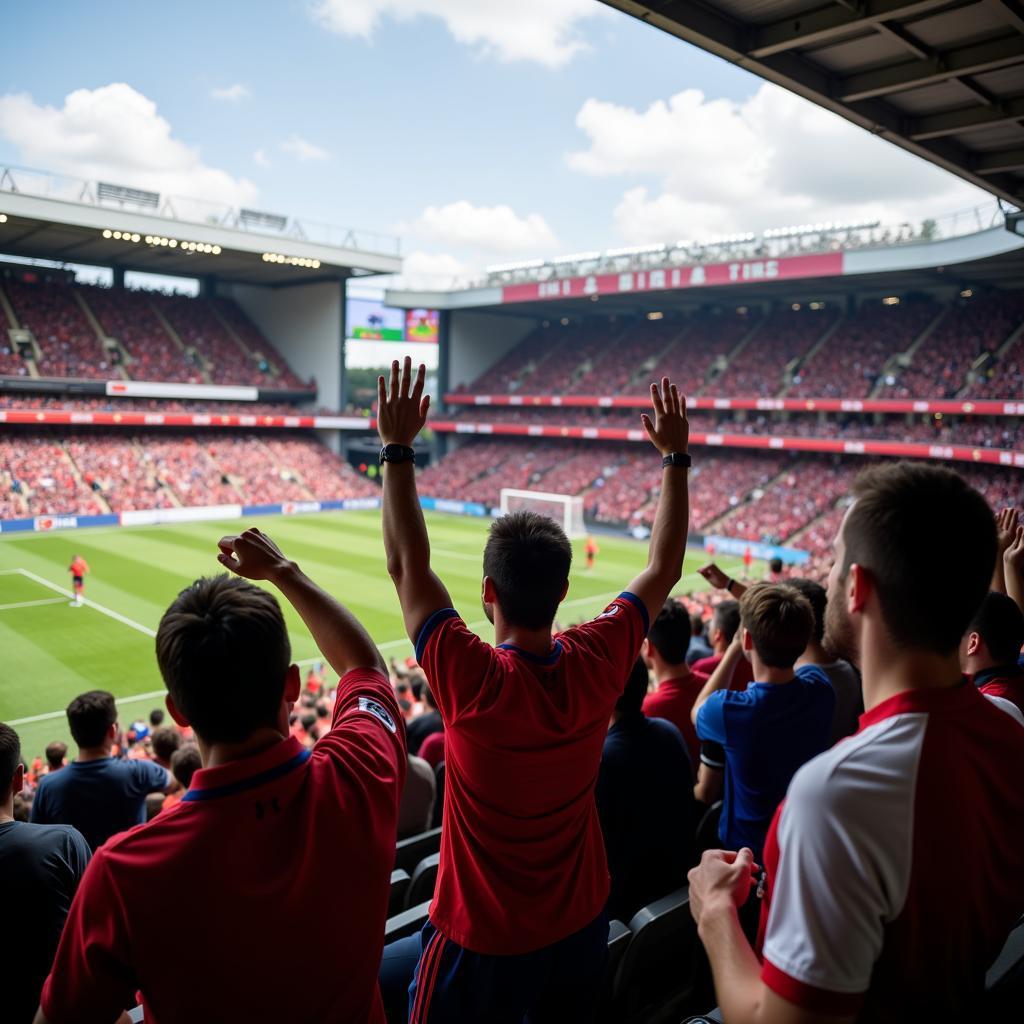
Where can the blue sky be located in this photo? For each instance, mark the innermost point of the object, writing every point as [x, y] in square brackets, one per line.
[479, 130]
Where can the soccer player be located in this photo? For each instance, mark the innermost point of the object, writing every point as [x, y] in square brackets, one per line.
[895, 865]
[591, 550]
[518, 926]
[274, 848]
[78, 568]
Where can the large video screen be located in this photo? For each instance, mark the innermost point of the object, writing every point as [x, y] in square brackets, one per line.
[422, 325]
[371, 320]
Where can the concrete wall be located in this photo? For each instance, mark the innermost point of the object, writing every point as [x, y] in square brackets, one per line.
[479, 340]
[304, 323]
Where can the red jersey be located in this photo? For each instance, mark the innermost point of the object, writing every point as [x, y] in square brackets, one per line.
[79, 567]
[896, 862]
[742, 675]
[522, 855]
[1006, 681]
[673, 701]
[289, 846]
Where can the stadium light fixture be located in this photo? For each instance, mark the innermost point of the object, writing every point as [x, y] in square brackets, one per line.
[966, 293]
[795, 307]
[655, 315]
[742, 310]
[3, 218]
[891, 300]
[565, 321]
[293, 261]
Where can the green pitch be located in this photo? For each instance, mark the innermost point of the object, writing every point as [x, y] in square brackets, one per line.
[50, 651]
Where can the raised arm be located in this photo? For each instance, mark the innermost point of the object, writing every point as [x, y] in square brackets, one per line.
[718, 579]
[1006, 531]
[721, 678]
[1013, 568]
[670, 434]
[401, 415]
[338, 634]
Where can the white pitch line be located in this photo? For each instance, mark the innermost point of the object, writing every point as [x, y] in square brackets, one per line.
[90, 603]
[31, 604]
[60, 714]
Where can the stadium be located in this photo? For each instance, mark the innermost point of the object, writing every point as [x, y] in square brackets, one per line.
[140, 423]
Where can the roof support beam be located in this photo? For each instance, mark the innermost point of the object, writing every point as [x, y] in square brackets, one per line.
[953, 122]
[833, 21]
[1000, 160]
[964, 60]
[1012, 11]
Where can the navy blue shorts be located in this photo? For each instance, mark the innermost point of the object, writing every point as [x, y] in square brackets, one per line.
[560, 983]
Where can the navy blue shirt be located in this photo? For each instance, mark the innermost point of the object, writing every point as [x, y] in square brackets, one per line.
[40, 868]
[100, 798]
[645, 803]
[768, 731]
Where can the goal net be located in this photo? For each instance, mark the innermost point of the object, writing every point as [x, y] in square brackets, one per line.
[565, 509]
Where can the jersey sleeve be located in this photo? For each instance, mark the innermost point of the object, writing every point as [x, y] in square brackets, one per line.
[456, 662]
[613, 638]
[830, 897]
[711, 719]
[149, 777]
[367, 735]
[92, 979]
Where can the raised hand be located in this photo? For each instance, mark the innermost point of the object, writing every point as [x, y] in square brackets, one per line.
[401, 414]
[670, 431]
[1013, 555]
[253, 555]
[1006, 529]
[714, 576]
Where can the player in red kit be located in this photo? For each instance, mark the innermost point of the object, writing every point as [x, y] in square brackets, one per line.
[78, 568]
[591, 550]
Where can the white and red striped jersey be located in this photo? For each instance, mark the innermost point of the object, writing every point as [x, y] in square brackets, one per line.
[896, 863]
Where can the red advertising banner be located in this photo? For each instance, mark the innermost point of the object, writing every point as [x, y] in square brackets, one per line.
[71, 417]
[981, 407]
[703, 275]
[900, 449]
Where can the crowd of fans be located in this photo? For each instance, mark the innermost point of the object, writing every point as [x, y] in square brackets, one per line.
[215, 341]
[838, 741]
[101, 403]
[105, 471]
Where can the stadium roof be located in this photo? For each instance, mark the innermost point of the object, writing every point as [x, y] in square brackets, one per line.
[48, 217]
[944, 79]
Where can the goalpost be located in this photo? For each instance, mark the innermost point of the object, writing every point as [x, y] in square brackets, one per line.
[565, 509]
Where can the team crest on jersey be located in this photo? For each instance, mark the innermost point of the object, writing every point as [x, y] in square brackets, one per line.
[612, 609]
[372, 707]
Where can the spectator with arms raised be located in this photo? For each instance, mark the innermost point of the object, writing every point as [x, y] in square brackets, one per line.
[991, 646]
[518, 924]
[895, 866]
[269, 834]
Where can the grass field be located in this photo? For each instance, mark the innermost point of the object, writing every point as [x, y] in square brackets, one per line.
[49, 651]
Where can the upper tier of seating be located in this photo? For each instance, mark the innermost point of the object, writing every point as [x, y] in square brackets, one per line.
[156, 337]
[921, 347]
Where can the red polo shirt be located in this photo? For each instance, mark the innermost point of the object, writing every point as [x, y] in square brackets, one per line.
[673, 701]
[203, 909]
[522, 855]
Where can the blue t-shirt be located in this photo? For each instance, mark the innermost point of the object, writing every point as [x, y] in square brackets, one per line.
[99, 798]
[768, 731]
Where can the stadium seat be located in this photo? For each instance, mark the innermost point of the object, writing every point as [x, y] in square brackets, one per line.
[713, 1017]
[409, 852]
[421, 888]
[406, 923]
[399, 889]
[619, 937]
[707, 830]
[1004, 982]
[657, 979]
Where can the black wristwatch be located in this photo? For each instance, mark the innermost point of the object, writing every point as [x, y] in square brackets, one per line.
[677, 459]
[397, 453]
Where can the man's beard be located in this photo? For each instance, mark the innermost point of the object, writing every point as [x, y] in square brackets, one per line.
[839, 641]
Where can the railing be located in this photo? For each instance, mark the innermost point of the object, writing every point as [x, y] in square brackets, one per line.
[26, 181]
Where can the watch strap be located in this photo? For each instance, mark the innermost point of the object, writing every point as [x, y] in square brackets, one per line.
[397, 453]
[677, 459]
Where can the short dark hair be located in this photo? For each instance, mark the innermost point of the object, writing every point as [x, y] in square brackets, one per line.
[55, 753]
[165, 742]
[632, 699]
[726, 618]
[90, 715]
[928, 540]
[1000, 623]
[528, 557]
[185, 763]
[779, 620]
[670, 632]
[817, 597]
[224, 653]
[696, 624]
[775, 564]
[156, 717]
[10, 756]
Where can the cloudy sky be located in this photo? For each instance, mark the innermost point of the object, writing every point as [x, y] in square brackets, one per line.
[480, 131]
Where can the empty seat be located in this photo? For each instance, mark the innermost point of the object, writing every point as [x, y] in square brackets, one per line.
[406, 923]
[399, 889]
[657, 979]
[421, 888]
[618, 939]
[409, 852]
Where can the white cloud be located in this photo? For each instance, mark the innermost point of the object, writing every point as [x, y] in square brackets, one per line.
[723, 166]
[544, 31]
[303, 150]
[432, 270]
[232, 93]
[115, 134]
[261, 158]
[485, 229]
